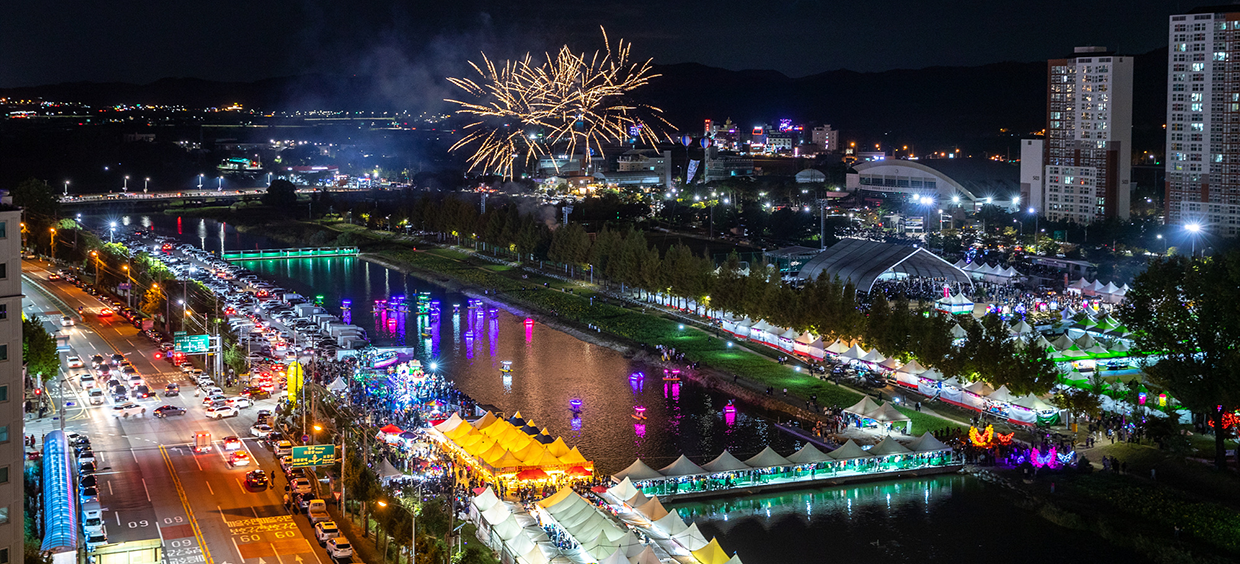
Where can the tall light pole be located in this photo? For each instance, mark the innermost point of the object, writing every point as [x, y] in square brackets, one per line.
[1193, 229]
[96, 255]
[1160, 238]
[146, 184]
[219, 186]
[66, 188]
[125, 187]
[112, 232]
[1036, 219]
[53, 244]
[129, 291]
[413, 520]
[200, 175]
[269, 179]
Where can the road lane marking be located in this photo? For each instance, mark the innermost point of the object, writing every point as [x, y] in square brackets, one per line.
[189, 511]
[144, 488]
[209, 487]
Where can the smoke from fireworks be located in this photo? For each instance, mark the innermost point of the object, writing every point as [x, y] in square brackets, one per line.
[568, 103]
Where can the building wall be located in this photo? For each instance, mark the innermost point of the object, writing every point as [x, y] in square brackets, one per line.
[1031, 171]
[1203, 121]
[12, 450]
[1087, 166]
[827, 139]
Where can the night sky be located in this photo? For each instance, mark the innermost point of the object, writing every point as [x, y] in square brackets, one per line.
[76, 40]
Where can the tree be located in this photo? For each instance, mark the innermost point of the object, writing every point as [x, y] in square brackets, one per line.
[36, 198]
[152, 302]
[39, 350]
[281, 194]
[1078, 403]
[1188, 310]
[235, 358]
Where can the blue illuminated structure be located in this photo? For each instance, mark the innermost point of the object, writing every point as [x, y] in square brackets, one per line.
[60, 508]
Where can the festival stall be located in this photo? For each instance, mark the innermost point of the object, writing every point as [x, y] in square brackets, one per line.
[907, 375]
[787, 341]
[512, 450]
[956, 304]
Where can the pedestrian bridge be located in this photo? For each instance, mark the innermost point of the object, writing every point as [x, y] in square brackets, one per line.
[286, 254]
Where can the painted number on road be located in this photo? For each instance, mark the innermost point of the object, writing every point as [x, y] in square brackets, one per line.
[173, 520]
[139, 524]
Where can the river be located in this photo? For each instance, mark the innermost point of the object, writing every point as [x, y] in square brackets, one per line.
[936, 519]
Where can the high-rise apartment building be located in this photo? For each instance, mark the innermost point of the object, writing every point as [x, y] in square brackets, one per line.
[1082, 172]
[12, 449]
[1203, 119]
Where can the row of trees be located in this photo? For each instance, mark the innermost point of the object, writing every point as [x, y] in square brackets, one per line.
[825, 306]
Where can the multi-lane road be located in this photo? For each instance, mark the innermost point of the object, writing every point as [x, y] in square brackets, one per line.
[152, 485]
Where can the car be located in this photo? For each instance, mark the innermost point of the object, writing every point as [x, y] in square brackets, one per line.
[326, 530]
[135, 380]
[74, 361]
[282, 448]
[117, 359]
[299, 485]
[97, 396]
[165, 346]
[256, 481]
[87, 381]
[273, 439]
[215, 399]
[66, 321]
[95, 540]
[128, 408]
[240, 402]
[172, 390]
[256, 393]
[339, 548]
[96, 361]
[87, 468]
[105, 312]
[286, 464]
[260, 430]
[92, 521]
[88, 481]
[53, 276]
[103, 369]
[232, 443]
[239, 458]
[169, 410]
[141, 392]
[90, 494]
[221, 411]
[128, 369]
[86, 455]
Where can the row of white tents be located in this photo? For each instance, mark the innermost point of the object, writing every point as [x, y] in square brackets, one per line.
[1109, 292]
[599, 537]
[995, 274]
[640, 473]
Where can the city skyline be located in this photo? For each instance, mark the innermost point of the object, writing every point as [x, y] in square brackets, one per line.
[413, 44]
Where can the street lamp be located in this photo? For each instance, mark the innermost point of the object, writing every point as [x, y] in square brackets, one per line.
[53, 244]
[129, 291]
[1160, 238]
[1193, 229]
[219, 186]
[96, 255]
[125, 188]
[145, 184]
[413, 537]
[200, 175]
[112, 232]
[66, 188]
[1036, 221]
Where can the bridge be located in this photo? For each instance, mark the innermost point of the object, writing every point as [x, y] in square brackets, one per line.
[287, 254]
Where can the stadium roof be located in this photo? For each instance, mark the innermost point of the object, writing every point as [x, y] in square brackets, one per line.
[863, 262]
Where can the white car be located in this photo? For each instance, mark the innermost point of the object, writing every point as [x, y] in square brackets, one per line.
[339, 548]
[86, 380]
[325, 531]
[66, 321]
[300, 485]
[221, 411]
[240, 402]
[96, 540]
[260, 430]
[127, 409]
[135, 380]
[74, 361]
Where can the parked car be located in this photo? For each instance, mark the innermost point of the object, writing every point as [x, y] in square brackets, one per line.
[299, 485]
[260, 430]
[90, 494]
[339, 549]
[169, 410]
[282, 448]
[326, 530]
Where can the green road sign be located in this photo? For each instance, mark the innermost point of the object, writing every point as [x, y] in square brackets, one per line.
[176, 334]
[314, 455]
[192, 344]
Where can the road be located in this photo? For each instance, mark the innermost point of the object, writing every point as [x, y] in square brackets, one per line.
[151, 483]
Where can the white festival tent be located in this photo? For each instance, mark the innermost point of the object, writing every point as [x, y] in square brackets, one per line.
[624, 490]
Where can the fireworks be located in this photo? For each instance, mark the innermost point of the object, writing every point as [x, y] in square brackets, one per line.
[568, 103]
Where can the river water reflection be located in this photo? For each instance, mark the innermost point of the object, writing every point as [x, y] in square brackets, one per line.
[939, 519]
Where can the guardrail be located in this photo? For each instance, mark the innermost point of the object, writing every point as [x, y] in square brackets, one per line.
[285, 254]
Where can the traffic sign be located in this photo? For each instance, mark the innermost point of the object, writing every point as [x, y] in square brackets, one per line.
[313, 455]
[192, 344]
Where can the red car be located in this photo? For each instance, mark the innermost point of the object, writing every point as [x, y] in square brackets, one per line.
[105, 312]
